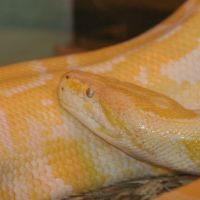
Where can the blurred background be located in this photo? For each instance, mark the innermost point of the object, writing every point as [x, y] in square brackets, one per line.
[32, 29]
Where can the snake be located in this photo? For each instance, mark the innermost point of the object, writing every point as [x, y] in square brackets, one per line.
[79, 122]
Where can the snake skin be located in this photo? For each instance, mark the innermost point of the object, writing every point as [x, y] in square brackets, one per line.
[46, 153]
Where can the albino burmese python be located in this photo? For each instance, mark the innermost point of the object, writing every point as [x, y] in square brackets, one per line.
[48, 153]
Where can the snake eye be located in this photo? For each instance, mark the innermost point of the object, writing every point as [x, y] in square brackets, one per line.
[90, 92]
[67, 77]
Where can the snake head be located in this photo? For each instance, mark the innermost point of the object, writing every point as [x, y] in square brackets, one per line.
[96, 101]
[138, 121]
[112, 104]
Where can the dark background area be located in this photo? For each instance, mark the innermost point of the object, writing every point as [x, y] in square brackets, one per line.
[100, 23]
[33, 29]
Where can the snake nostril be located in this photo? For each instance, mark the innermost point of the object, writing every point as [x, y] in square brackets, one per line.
[67, 77]
[62, 88]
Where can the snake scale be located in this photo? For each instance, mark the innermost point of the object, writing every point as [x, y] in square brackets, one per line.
[76, 123]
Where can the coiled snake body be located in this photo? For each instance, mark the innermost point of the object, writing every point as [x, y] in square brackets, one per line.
[141, 96]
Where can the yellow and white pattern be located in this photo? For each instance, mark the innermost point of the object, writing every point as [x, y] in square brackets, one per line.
[47, 154]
